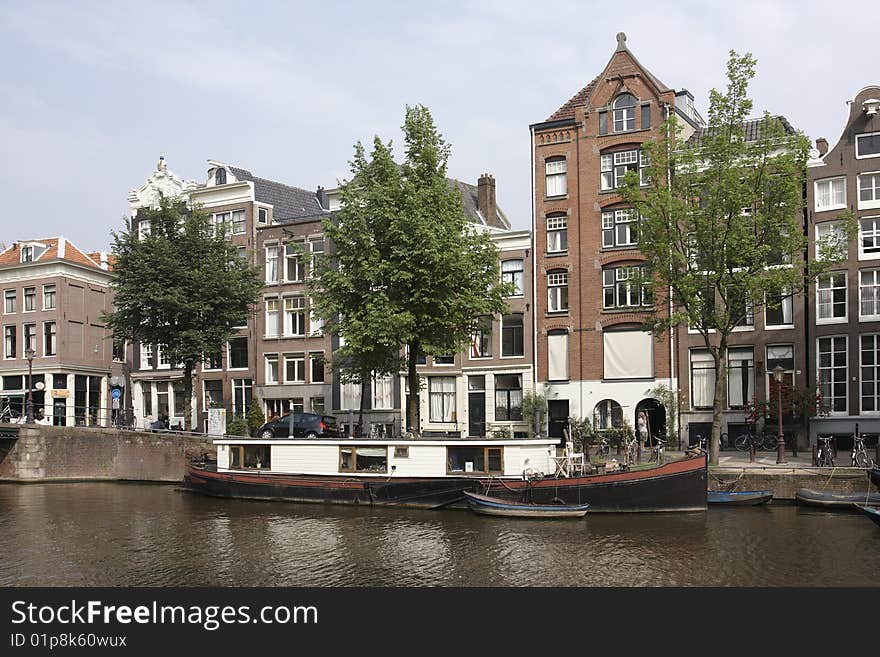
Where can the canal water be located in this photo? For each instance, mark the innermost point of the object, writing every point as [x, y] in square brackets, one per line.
[111, 534]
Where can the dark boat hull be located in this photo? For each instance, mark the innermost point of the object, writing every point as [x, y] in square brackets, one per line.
[675, 486]
[835, 500]
[739, 498]
[875, 477]
[872, 513]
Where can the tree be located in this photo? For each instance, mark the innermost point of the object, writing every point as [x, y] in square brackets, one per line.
[721, 224]
[410, 271]
[181, 286]
[255, 417]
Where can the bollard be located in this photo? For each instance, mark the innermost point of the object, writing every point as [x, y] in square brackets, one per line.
[751, 452]
[815, 454]
[639, 453]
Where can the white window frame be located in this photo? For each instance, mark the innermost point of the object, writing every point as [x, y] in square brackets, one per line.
[448, 399]
[7, 298]
[611, 219]
[625, 116]
[229, 366]
[830, 227]
[621, 274]
[298, 360]
[831, 290]
[272, 263]
[9, 346]
[272, 376]
[876, 369]
[53, 339]
[313, 356]
[24, 299]
[383, 385]
[873, 234]
[50, 289]
[295, 316]
[869, 155]
[270, 302]
[557, 282]
[875, 288]
[555, 176]
[819, 369]
[315, 253]
[557, 228]
[238, 222]
[515, 276]
[146, 352]
[832, 205]
[779, 327]
[143, 230]
[873, 202]
[294, 254]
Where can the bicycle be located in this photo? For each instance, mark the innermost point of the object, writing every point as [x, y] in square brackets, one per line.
[602, 450]
[700, 448]
[657, 451]
[629, 452]
[825, 455]
[9, 414]
[745, 441]
[859, 456]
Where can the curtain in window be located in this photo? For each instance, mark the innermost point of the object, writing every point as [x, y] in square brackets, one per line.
[442, 398]
[628, 354]
[702, 379]
[740, 376]
[557, 356]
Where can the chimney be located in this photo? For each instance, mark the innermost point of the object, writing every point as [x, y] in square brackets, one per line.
[486, 198]
[322, 197]
[822, 145]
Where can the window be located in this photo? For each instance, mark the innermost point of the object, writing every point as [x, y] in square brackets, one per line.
[143, 229]
[295, 316]
[273, 325]
[30, 338]
[350, 396]
[627, 354]
[119, 351]
[242, 253]
[444, 360]
[50, 339]
[614, 166]
[382, 397]
[9, 301]
[557, 355]
[441, 397]
[702, 378]
[512, 272]
[868, 145]
[316, 324]
[782, 356]
[869, 293]
[27, 254]
[740, 307]
[363, 458]
[295, 368]
[294, 270]
[242, 395]
[272, 368]
[272, 263]
[318, 405]
[30, 299]
[220, 176]
[646, 117]
[478, 460]
[869, 236]
[48, 297]
[213, 361]
[146, 356]
[831, 297]
[9, 342]
[481, 341]
[213, 393]
[557, 291]
[619, 228]
[238, 222]
[830, 194]
[316, 360]
[317, 247]
[222, 221]
[740, 376]
[238, 353]
[869, 190]
[619, 289]
[164, 358]
[778, 311]
[870, 362]
[262, 215]
[831, 241]
[608, 414]
[555, 177]
[508, 397]
[512, 335]
[833, 373]
[250, 457]
[557, 233]
[624, 113]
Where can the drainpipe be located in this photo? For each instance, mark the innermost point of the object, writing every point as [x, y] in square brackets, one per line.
[533, 242]
[673, 335]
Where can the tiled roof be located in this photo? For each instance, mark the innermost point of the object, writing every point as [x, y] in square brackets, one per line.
[751, 130]
[580, 98]
[55, 246]
[288, 203]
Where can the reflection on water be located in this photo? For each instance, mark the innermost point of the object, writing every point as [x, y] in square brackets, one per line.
[104, 534]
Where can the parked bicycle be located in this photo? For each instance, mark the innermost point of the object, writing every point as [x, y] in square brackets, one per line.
[603, 449]
[9, 414]
[701, 447]
[767, 442]
[859, 456]
[629, 452]
[825, 455]
[657, 451]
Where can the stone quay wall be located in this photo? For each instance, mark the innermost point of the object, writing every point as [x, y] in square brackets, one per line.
[784, 482]
[46, 453]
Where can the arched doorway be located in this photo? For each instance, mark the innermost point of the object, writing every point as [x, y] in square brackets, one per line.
[655, 413]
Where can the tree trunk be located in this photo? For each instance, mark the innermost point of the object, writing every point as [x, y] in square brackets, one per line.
[412, 400]
[188, 368]
[718, 403]
[360, 423]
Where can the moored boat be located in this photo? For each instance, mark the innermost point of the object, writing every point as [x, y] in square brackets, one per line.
[872, 512]
[835, 500]
[492, 506]
[431, 474]
[875, 476]
[739, 498]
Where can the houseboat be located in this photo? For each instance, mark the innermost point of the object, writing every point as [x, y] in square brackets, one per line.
[435, 473]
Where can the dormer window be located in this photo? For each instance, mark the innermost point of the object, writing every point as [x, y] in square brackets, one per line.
[220, 176]
[624, 113]
[27, 254]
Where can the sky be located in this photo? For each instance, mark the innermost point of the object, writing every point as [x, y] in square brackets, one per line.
[94, 92]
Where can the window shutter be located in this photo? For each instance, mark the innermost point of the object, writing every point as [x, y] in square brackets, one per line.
[603, 123]
[646, 116]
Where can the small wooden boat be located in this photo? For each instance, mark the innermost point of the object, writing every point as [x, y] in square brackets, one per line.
[835, 500]
[875, 476]
[739, 498]
[871, 512]
[492, 506]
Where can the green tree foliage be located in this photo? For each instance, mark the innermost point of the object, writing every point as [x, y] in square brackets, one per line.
[721, 221]
[255, 417]
[534, 401]
[408, 269]
[237, 425]
[180, 287]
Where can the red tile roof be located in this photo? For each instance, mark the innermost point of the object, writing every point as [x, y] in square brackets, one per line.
[12, 255]
[580, 98]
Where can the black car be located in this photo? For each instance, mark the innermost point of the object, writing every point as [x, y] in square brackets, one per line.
[305, 425]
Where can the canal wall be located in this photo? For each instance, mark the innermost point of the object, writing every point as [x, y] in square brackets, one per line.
[784, 482]
[46, 453]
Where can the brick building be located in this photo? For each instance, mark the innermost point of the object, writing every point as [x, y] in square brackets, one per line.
[591, 353]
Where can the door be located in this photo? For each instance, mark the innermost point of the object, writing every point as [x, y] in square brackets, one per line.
[477, 414]
[557, 418]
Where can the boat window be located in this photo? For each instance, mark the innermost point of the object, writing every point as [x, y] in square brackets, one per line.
[363, 458]
[479, 460]
[401, 452]
[255, 457]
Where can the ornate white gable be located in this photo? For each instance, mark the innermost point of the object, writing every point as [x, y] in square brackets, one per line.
[161, 182]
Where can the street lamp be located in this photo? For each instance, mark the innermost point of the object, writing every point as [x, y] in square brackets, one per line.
[29, 354]
[778, 373]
